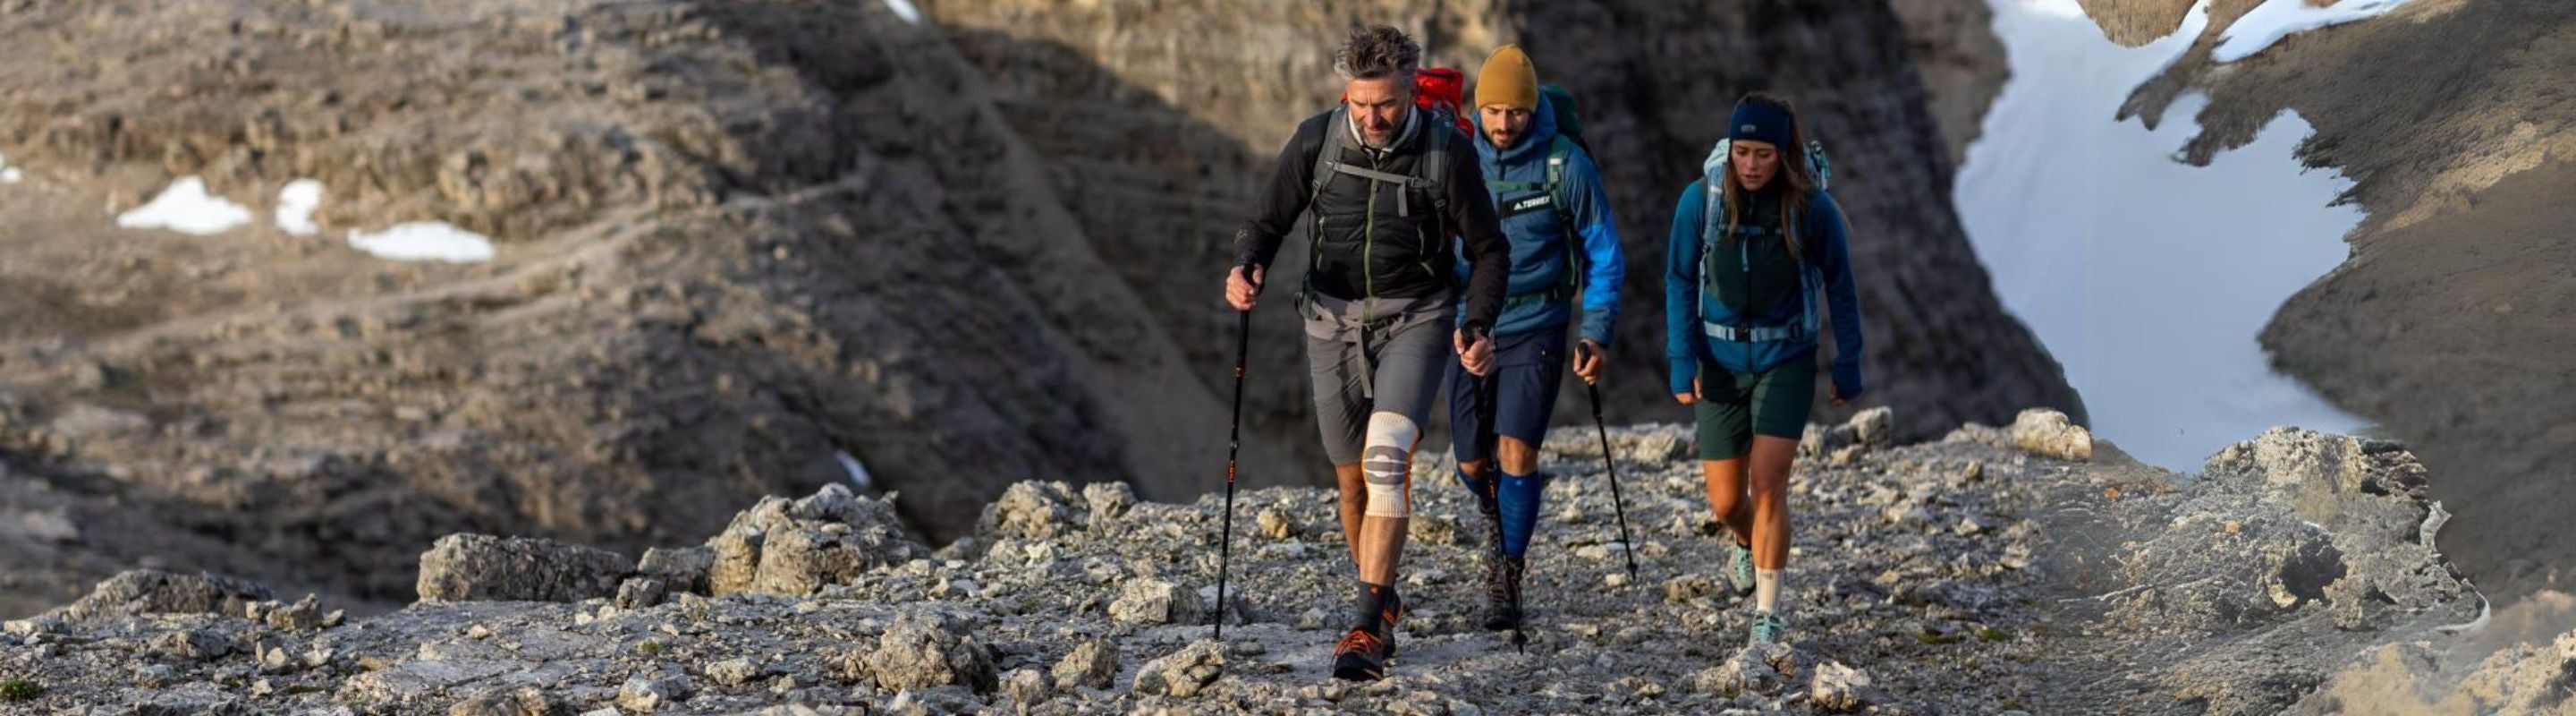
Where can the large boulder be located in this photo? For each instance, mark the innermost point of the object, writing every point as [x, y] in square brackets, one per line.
[927, 649]
[784, 547]
[473, 567]
[2041, 431]
[1035, 510]
[146, 591]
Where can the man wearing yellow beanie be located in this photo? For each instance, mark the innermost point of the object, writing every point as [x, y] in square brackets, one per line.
[1565, 246]
[1508, 80]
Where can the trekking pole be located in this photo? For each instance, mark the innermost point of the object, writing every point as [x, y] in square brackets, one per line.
[1487, 386]
[1233, 448]
[1617, 506]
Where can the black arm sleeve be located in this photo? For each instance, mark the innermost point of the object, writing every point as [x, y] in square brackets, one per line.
[1489, 254]
[1275, 211]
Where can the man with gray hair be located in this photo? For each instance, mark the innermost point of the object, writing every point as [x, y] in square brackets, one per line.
[1385, 185]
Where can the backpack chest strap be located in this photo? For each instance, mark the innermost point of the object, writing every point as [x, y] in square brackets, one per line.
[1403, 207]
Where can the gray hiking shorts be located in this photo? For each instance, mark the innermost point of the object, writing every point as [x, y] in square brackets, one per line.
[1389, 357]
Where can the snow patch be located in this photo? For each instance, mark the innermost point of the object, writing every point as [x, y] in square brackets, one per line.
[2486, 614]
[905, 10]
[2147, 278]
[2434, 519]
[295, 205]
[186, 208]
[2269, 22]
[424, 241]
[9, 174]
[858, 472]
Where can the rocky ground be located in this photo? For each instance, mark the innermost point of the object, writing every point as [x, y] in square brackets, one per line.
[1996, 570]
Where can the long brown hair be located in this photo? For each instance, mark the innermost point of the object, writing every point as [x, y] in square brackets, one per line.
[1793, 169]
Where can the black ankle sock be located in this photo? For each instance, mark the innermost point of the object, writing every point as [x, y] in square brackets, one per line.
[1379, 607]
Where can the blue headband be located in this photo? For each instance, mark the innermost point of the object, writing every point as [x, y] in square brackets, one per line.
[1760, 123]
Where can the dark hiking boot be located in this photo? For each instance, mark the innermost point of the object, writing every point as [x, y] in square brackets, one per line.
[1361, 656]
[1503, 596]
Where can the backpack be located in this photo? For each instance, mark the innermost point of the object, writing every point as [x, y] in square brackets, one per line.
[1443, 90]
[1569, 136]
[1810, 277]
[1440, 92]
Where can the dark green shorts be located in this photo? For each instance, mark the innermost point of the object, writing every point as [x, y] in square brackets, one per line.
[1734, 407]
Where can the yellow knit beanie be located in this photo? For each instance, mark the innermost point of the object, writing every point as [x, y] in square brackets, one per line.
[1508, 79]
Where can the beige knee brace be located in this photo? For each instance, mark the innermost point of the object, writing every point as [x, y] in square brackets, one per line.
[1387, 460]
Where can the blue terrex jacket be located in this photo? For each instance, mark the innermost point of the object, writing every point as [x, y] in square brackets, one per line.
[1539, 251]
[1686, 311]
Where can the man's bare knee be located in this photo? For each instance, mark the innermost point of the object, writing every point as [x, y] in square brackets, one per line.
[1518, 458]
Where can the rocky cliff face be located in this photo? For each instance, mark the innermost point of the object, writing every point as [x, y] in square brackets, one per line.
[2454, 310]
[1993, 571]
[737, 243]
[1961, 62]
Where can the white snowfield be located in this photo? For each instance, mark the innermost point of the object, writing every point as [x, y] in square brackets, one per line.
[2271, 21]
[2147, 278]
[185, 207]
[424, 241]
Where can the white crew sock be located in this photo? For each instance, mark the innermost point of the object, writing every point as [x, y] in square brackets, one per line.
[1766, 590]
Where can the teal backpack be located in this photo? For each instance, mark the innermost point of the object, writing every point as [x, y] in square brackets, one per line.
[1811, 277]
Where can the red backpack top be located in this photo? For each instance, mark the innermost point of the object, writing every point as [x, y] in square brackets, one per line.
[1442, 90]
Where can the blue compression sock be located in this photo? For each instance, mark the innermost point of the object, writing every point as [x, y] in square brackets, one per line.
[1520, 495]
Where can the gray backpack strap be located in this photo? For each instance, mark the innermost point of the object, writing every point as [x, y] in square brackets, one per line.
[1433, 171]
[1557, 157]
[1328, 154]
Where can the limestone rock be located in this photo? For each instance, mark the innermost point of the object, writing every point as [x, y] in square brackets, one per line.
[2040, 431]
[1092, 663]
[647, 693]
[1035, 510]
[1150, 602]
[684, 569]
[1839, 688]
[927, 649]
[146, 591]
[1028, 687]
[783, 547]
[472, 567]
[1184, 673]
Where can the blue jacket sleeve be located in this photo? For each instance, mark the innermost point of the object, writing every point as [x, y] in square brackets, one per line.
[1681, 290]
[1606, 266]
[1841, 295]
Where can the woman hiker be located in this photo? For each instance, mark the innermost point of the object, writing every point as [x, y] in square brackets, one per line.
[1758, 253]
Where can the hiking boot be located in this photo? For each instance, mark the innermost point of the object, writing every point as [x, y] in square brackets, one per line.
[1361, 656]
[1768, 626]
[1489, 503]
[1739, 558]
[1503, 596]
